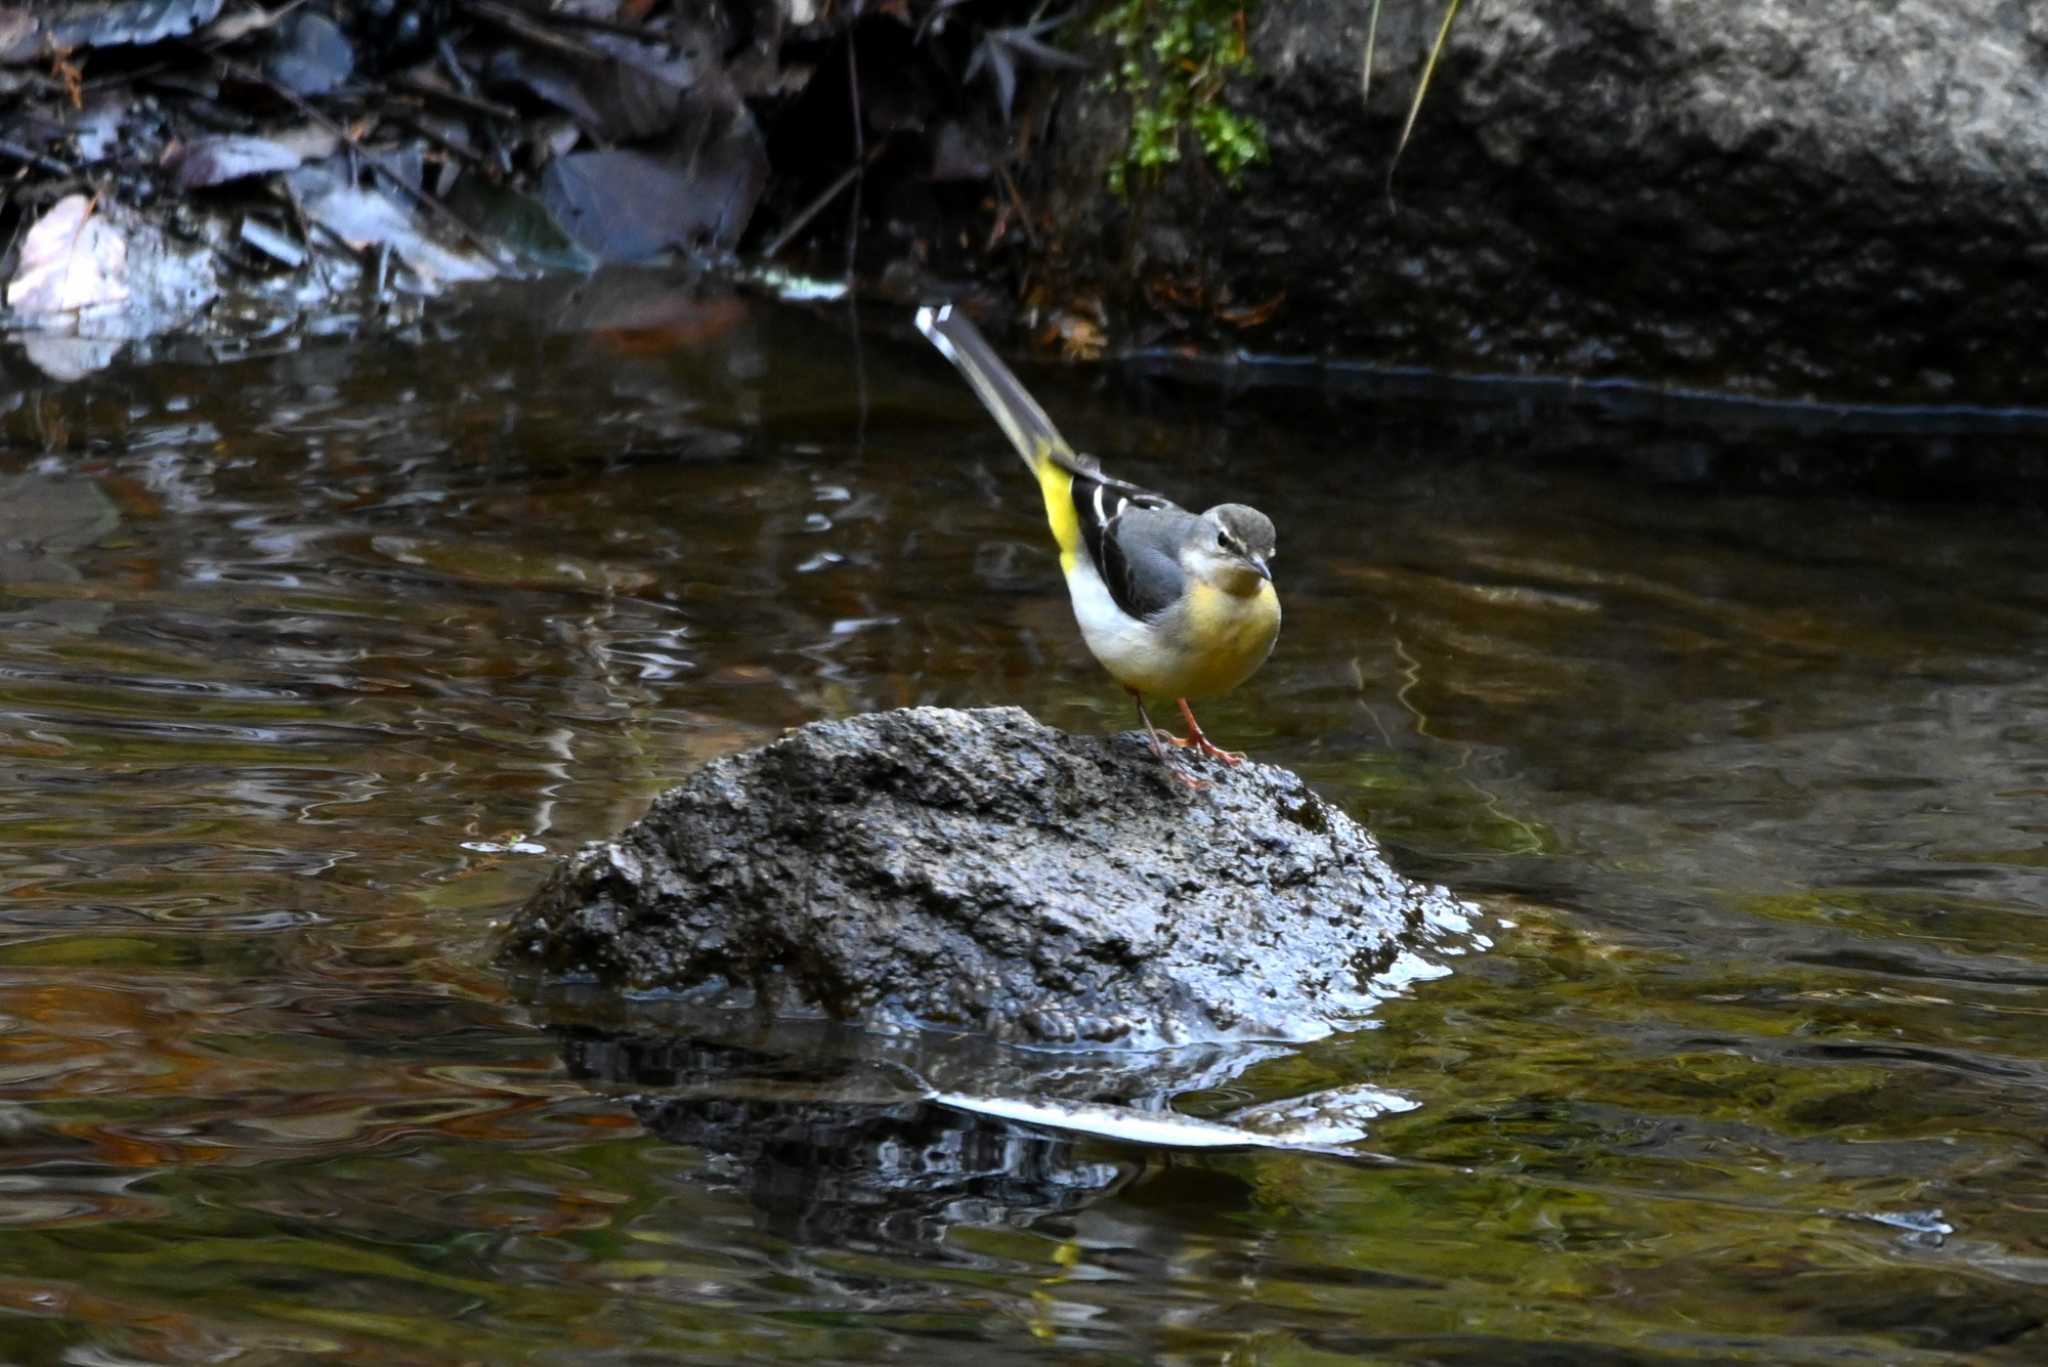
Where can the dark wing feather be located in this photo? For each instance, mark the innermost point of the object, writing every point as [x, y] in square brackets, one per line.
[1118, 529]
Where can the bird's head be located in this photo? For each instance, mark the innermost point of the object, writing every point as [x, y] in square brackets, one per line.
[1232, 549]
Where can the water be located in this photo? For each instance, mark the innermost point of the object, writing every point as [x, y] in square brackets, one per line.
[297, 652]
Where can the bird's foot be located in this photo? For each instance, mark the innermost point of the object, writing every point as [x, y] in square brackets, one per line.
[1155, 735]
[1201, 743]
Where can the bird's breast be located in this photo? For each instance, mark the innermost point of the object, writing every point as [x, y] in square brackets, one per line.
[1225, 636]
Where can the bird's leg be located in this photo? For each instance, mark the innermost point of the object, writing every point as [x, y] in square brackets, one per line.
[1153, 734]
[1201, 742]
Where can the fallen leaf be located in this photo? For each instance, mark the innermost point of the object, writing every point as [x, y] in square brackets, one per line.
[235, 27]
[72, 259]
[614, 97]
[217, 160]
[1253, 315]
[624, 205]
[19, 34]
[122, 22]
[312, 57]
[517, 221]
[364, 218]
[619, 205]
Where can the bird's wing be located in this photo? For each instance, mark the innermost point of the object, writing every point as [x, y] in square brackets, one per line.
[1133, 539]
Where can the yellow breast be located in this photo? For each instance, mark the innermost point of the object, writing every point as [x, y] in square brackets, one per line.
[1224, 638]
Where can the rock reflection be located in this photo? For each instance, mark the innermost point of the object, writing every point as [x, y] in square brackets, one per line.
[839, 1150]
[905, 1174]
[46, 518]
[831, 1134]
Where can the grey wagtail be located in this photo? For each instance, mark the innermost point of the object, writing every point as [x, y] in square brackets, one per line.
[1171, 604]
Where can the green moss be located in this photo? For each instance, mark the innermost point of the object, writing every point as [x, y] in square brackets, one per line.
[1173, 58]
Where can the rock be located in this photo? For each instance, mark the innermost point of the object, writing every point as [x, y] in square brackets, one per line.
[1771, 197]
[977, 871]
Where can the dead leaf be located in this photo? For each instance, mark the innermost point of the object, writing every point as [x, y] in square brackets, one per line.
[1078, 338]
[620, 97]
[1252, 315]
[624, 205]
[312, 57]
[364, 218]
[20, 34]
[125, 22]
[233, 28]
[517, 221]
[217, 160]
[72, 259]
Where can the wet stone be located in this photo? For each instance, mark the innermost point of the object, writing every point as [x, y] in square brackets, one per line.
[975, 870]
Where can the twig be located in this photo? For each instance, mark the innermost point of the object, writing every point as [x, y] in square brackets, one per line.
[1436, 52]
[1372, 33]
[29, 156]
[460, 99]
[810, 211]
[637, 32]
[121, 78]
[305, 227]
[410, 114]
[1017, 203]
[817, 205]
[860, 158]
[521, 25]
[451, 62]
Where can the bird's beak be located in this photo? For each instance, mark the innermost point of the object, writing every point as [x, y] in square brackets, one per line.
[1258, 562]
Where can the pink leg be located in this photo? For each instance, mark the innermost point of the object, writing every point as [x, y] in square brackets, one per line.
[1153, 734]
[1202, 742]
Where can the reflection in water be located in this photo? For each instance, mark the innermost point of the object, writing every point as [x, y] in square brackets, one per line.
[836, 1156]
[847, 1136]
[298, 654]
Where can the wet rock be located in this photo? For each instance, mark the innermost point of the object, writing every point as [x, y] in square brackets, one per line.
[1770, 197]
[978, 871]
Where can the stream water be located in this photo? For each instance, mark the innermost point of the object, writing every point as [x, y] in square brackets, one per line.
[308, 660]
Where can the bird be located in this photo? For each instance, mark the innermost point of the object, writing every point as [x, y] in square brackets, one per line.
[1172, 604]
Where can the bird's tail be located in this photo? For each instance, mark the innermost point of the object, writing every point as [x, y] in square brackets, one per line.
[1019, 415]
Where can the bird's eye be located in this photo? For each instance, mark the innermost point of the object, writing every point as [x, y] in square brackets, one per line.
[1223, 541]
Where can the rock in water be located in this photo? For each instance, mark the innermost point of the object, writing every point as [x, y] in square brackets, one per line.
[979, 871]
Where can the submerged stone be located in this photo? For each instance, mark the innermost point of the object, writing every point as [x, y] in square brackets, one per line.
[979, 871]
